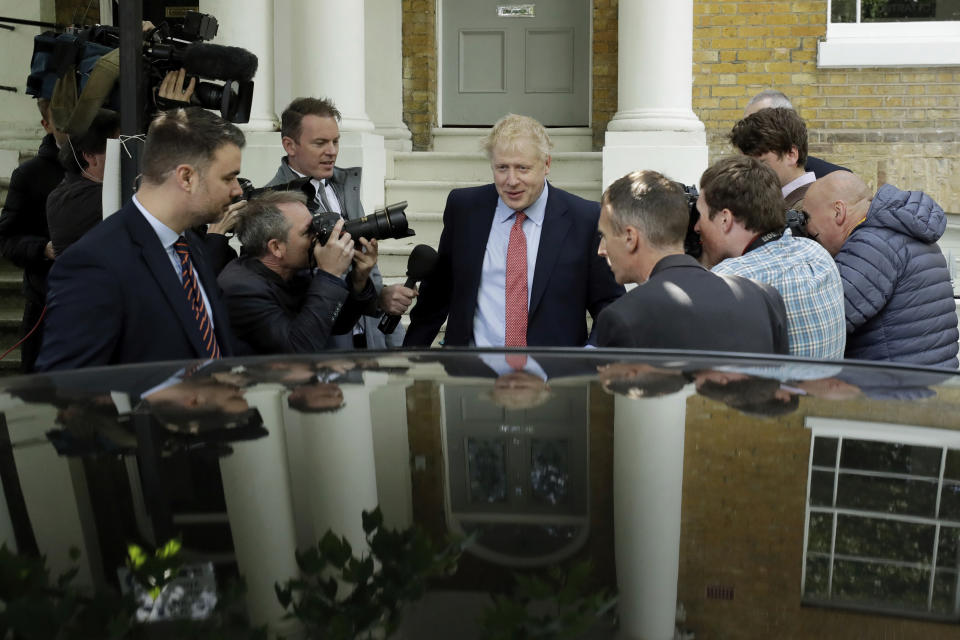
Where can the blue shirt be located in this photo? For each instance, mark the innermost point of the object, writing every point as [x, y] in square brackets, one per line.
[809, 283]
[168, 238]
[490, 317]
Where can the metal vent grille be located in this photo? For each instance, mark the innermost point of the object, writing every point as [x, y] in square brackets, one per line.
[719, 592]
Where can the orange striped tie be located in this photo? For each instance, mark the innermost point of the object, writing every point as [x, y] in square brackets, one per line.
[190, 287]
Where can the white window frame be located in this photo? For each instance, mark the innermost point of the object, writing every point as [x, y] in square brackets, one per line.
[943, 439]
[889, 44]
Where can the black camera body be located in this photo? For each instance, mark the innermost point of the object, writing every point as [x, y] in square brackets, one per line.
[389, 222]
[692, 245]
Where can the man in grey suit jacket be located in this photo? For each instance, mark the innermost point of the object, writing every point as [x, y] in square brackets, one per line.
[678, 303]
[311, 138]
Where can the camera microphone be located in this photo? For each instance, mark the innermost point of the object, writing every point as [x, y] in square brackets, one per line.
[219, 62]
[422, 260]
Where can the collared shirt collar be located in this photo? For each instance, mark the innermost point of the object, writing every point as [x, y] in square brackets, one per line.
[534, 212]
[168, 237]
[790, 187]
[316, 182]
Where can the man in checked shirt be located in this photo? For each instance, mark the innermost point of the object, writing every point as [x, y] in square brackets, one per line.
[743, 230]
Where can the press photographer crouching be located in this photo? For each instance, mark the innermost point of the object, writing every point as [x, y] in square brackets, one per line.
[286, 293]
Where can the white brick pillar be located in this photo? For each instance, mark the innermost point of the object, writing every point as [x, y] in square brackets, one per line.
[655, 127]
[384, 85]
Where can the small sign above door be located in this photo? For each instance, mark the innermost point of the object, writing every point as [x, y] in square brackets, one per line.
[516, 10]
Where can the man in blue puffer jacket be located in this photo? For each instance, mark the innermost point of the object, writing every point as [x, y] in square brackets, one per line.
[898, 298]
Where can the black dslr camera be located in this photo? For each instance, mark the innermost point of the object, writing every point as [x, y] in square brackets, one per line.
[389, 222]
[692, 246]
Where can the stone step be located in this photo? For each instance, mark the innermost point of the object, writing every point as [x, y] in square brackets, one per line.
[436, 165]
[469, 139]
[431, 195]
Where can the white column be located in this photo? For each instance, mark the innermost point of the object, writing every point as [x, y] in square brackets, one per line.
[339, 454]
[323, 54]
[256, 487]
[655, 127]
[249, 24]
[647, 487]
[384, 85]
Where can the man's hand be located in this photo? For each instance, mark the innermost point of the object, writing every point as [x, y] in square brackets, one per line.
[172, 87]
[395, 299]
[363, 263]
[335, 256]
[48, 251]
[229, 220]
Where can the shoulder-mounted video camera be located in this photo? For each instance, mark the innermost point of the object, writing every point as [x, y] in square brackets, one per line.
[87, 58]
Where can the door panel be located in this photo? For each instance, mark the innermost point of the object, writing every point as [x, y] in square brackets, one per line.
[494, 64]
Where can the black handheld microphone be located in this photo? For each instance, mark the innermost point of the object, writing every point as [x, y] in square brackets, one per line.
[421, 263]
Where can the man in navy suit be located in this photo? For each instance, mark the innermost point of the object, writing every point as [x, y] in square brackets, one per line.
[518, 260]
[137, 287]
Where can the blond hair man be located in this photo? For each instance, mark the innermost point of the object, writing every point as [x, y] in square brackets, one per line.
[521, 252]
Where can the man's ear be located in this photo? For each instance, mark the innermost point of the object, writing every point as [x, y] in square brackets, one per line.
[839, 212]
[185, 175]
[546, 162]
[726, 220]
[289, 145]
[275, 248]
[632, 240]
[793, 156]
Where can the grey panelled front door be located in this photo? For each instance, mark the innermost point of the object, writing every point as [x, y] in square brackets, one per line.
[497, 59]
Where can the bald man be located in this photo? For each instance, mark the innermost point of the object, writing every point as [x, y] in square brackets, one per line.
[898, 299]
[772, 99]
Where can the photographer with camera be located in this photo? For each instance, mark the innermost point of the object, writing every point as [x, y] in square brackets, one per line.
[311, 137]
[743, 229]
[678, 303]
[276, 304]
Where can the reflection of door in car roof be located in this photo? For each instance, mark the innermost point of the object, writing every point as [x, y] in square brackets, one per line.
[497, 60]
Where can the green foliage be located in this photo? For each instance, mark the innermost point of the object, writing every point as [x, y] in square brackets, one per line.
[156, 571]
[556, 606]
[339, 596]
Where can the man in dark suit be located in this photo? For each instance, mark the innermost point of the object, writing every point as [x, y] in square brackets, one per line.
[678, 303]
[137, 287]
[517, 258]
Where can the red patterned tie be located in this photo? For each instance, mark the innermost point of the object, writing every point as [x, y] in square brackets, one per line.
[516, 292]
[211, 348]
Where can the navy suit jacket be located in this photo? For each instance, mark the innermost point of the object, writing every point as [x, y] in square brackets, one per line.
[569, 278]
[114, 298]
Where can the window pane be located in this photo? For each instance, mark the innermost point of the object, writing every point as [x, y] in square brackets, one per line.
[952, 469]
[885, 539]
[891, 457]
[844, 11]
[948, 552]
[821, 532]
[950, 501]
[821, 489]
[818, 575]
[825, 452]
[945, 592]
[880, 584]
[887, 495]
[907, 10]
[550, 470]
[487, 468]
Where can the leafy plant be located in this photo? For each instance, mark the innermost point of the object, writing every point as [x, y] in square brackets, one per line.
[340, 596]
[156, 571]
[555, 607]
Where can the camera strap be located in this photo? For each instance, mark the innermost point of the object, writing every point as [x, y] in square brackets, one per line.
[760, 240]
